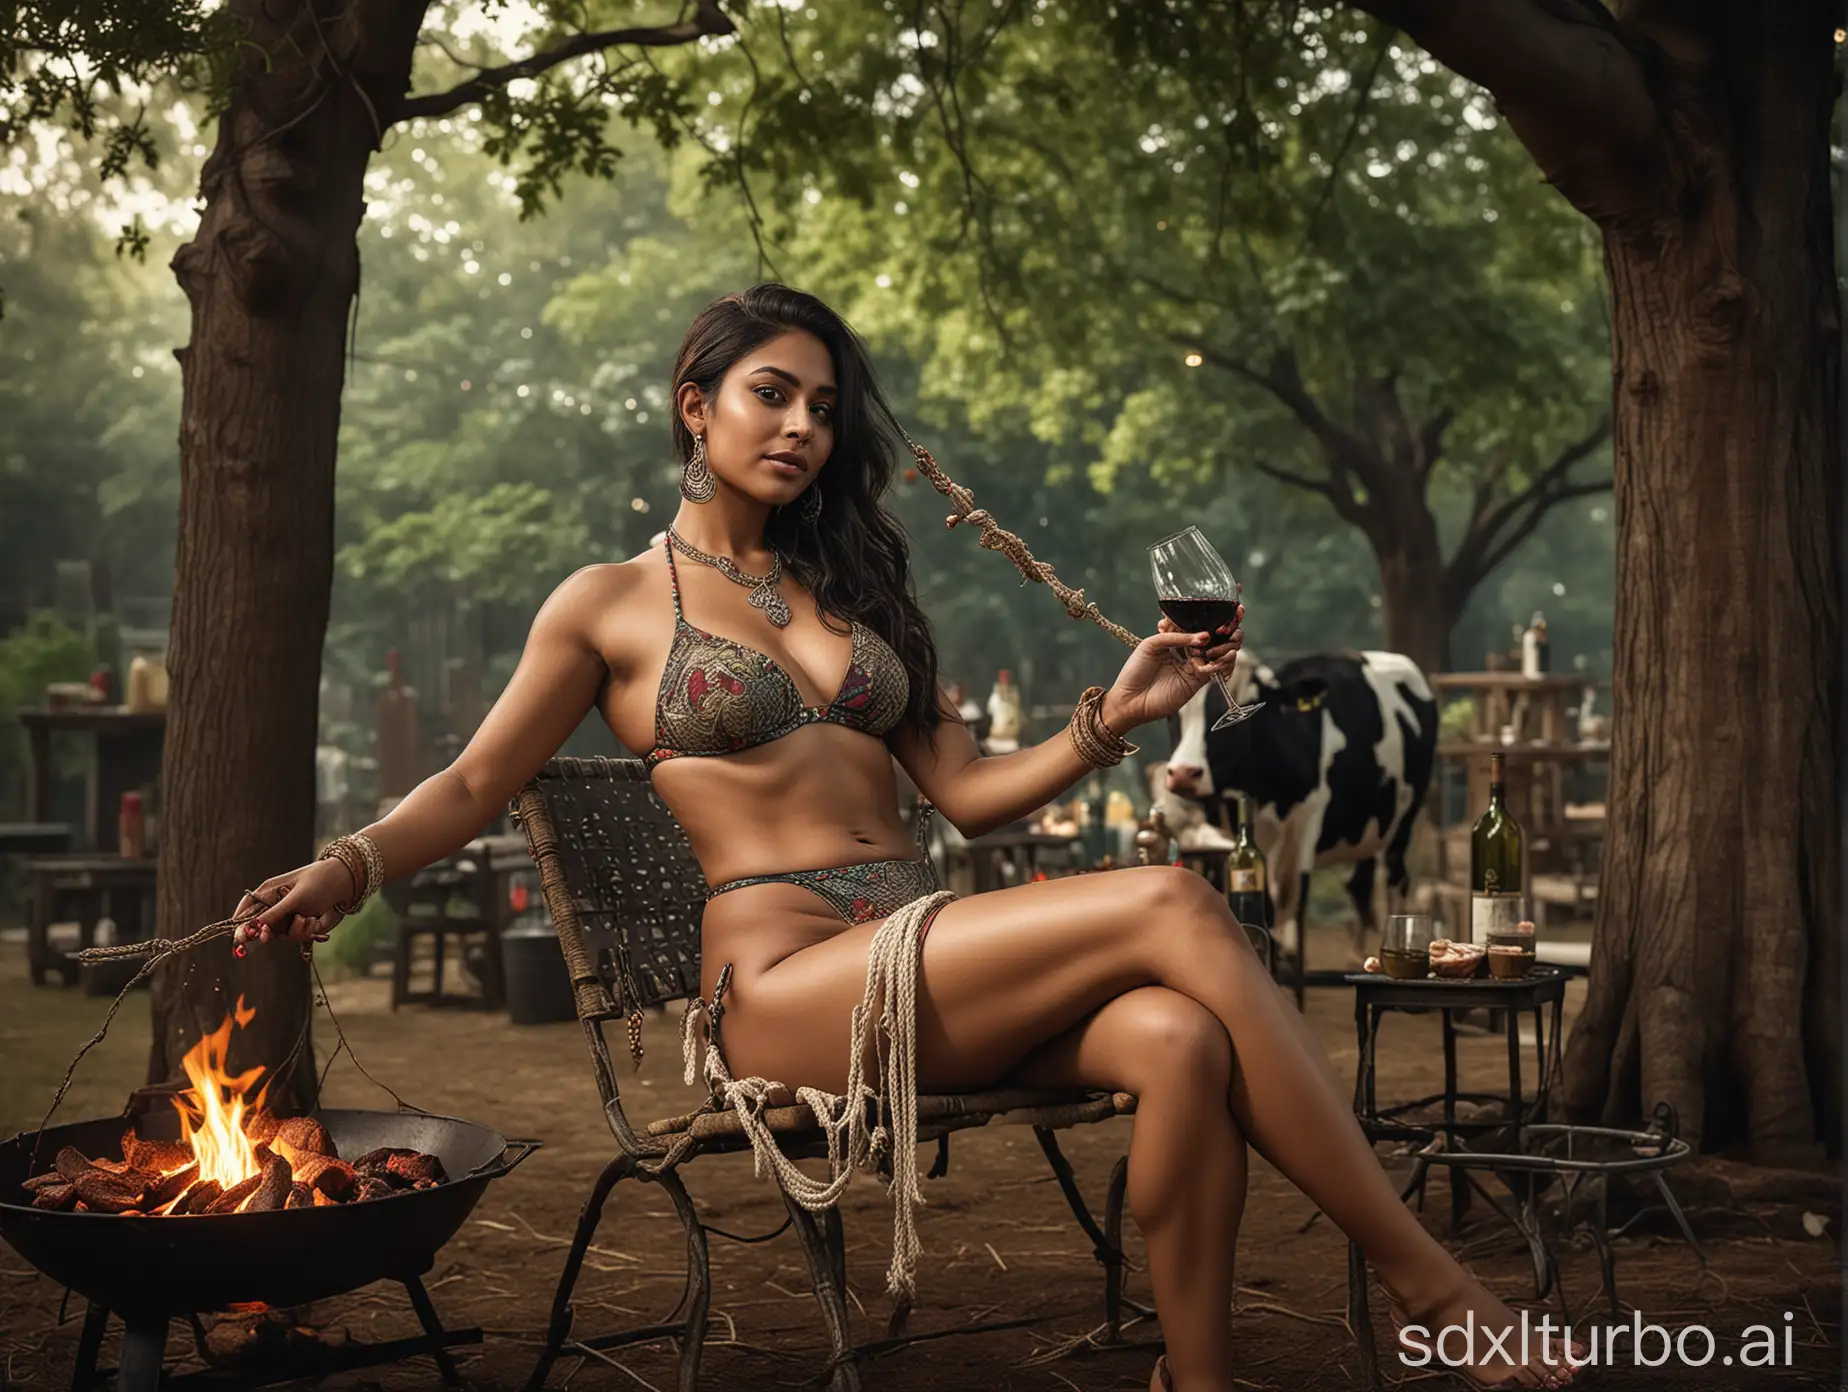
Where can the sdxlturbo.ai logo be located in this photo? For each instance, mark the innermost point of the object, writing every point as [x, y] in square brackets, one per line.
[1550, 1343]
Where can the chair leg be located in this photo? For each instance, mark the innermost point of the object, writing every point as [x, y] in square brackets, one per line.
[834, 1234]
[401, 968]
[622, 1167]
[1106, 1246]
[1113, 1235]
[439, 944]
[844, 1374]
[696, 1305]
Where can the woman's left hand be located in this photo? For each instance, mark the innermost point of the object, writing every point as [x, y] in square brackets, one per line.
[1153, 684]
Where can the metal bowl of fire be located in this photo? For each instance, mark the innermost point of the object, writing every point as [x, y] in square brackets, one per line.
[215, 1202]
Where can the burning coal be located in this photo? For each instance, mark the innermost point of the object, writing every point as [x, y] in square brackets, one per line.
[233, 1155]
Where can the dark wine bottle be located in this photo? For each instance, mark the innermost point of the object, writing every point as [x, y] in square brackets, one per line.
[1494, 863]
[1247, 875]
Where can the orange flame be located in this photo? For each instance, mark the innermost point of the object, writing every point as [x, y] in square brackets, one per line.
[212, 1115]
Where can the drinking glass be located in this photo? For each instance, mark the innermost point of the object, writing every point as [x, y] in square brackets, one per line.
[1405, 947]
[1506, 965]
[1195, 589]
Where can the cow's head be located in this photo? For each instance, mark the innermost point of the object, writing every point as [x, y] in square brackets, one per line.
[1206, 762]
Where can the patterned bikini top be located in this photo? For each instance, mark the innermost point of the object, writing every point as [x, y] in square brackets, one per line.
[719, 697]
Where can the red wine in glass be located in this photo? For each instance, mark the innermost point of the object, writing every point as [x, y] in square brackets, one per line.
[1201, 615]
[1195, 589]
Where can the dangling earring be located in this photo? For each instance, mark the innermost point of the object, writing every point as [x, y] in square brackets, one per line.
[811, 504]
[696, 484]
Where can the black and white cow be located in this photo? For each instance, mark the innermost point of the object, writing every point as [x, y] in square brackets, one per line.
[1337, 764]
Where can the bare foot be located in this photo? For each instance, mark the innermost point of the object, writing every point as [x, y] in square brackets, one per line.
[1471, 1333]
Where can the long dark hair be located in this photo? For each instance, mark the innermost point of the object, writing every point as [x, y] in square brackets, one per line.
[855, 560]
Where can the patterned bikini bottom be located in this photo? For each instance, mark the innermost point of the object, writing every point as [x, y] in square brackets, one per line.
[858, 893]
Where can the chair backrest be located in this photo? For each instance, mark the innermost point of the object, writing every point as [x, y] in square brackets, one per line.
[620, 881]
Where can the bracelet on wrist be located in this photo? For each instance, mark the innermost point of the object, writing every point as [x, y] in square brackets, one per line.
[355, 864]
[1097, 744]
[364, 863]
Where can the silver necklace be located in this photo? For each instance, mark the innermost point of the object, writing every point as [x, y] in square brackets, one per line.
[763, 589]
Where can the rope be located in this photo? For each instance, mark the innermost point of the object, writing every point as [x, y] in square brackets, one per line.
[320, 999]
[158, 950]
[995, 538]
[885, 1020]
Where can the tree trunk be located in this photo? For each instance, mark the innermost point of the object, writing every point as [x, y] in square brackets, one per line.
[271, 277]
[1715, 980]
[1414, 603]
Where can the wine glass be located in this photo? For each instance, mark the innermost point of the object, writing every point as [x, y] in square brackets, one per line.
[1195, 589]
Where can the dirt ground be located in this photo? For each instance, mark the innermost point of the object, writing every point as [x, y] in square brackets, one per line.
[999, 1244]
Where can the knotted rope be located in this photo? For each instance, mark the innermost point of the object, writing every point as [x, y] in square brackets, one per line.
[157, 948]
[996, 538]
[884, 1021]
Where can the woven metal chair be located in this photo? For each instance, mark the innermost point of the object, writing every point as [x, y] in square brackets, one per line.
[626, 895]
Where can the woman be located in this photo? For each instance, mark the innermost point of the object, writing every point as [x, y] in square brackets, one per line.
[719, 653]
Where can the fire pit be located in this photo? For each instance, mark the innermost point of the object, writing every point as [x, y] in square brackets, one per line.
[232, 1155]
[148, 1267]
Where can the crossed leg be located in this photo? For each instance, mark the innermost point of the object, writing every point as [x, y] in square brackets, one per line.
[1007, 974]
[1187, 1160]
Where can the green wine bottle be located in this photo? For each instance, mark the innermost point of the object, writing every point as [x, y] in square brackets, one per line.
[1494, 862]
[1247, 875]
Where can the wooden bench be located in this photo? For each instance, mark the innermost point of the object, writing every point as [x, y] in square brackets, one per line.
[626, 895]
[85, 889]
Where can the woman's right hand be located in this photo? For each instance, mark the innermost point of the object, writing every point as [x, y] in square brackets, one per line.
[299, 905]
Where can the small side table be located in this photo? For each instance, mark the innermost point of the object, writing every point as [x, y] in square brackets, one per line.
[1527, 1148]
[1375, 994]
[1541, 992]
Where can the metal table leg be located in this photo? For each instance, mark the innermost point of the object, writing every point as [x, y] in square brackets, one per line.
[1459, 1193]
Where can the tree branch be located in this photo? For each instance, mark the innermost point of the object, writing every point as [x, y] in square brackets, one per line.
[1337, 493]
[1346, 455]
[1206, 292]
[1553, 473]
[1484, 493]
[1431, 442]
[1347, 452]
[1336, 160]
[708, 20]
[1303, 481]
[1283, 381]
[1224, 361]
[1566, 76]
[1527, 525]
[1485, 545]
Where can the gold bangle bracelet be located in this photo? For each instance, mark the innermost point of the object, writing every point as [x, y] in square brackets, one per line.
[365, 865]
[1097, 744]
[350, 861]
